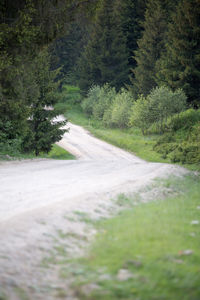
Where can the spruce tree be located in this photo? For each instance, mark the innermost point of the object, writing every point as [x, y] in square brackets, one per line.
[26, 26]
[180, 66]
[44, 130]
[132, 15]
[105, 58]
[150, 46]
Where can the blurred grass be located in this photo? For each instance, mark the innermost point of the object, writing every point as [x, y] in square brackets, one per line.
[149, 241]
[56, 153]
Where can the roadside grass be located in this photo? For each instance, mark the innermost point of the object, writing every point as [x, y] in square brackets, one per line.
[130, 139]
[56, 153]
[158, 246]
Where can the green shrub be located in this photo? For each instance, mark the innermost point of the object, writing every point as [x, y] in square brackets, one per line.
[105, 99]
[10, 147]
[120, 109]
[89, 102]
[71, 94]
[99, 99]
[184, 150]
[157, 107]
[163, 103]
[107, 117]
[139, 115]
[9, 143]
[185, 119]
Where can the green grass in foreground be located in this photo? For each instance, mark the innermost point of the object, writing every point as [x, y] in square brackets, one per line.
[151, 241]
[129, 139]
[56, 153]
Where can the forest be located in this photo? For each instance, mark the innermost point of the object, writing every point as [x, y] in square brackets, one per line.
[131, 63]
[117, 84]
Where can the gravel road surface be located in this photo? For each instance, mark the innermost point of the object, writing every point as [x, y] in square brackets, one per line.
[39, 198]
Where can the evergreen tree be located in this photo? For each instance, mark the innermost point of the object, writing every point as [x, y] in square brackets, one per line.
[151, 45]
[132, 15]
[105, 58]
[17, 36]
[44, 130]
[180, 66]
[25, 28]
[66, 51]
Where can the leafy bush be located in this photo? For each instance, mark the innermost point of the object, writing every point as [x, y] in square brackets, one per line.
[184, 150]
[163, 103]
[10, 147]
[107, 117]
[185, 119]
[157, 107]
[105, 99]
[98, 101]
[139, 115]
[71, 94]
[89, 102]
[120, 109]
[9, 143]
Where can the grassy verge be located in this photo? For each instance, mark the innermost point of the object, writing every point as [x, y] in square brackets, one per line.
[129, 139]
[56, 153]
[155, 244]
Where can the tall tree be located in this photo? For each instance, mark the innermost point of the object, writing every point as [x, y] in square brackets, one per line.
[132, 16]
[25, 28]
[44, 130]
[105, 58]
[65, 51]
[151, 45]
[180, 66]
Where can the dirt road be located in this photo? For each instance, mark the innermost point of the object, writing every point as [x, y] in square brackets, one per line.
[39, 199]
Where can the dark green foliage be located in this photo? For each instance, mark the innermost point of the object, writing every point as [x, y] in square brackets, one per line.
[25, 28]
[182, 142]
[132, 15]
[71, 94]
[150, 47]
[180, 65]
[16, 88]
[66, 51]
[105, 58]
[185, 120]
[43, 129]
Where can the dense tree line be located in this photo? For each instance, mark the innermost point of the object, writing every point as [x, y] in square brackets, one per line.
[137, 44]
[27, 83]
[156, 41]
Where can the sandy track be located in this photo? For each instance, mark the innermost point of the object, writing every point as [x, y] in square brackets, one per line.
[37, 196]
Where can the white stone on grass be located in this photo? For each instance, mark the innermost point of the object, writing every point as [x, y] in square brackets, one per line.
[124, 275]
[194, 222]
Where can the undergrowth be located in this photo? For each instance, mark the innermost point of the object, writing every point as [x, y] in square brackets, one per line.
[56, 153]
